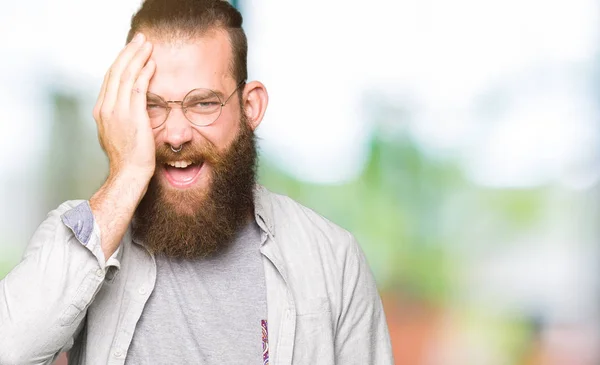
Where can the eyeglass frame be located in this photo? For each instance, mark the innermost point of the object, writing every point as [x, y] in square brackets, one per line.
[183, 109]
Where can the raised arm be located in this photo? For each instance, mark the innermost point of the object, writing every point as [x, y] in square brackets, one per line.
[44, 299]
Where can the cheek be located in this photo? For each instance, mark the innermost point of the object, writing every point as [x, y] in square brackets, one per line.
[221, 133]
[157, 136]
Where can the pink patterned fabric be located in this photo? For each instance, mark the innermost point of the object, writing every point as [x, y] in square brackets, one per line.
[265, 341]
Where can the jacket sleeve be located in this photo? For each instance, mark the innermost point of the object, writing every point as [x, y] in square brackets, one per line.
[44, 299]
[362, 335]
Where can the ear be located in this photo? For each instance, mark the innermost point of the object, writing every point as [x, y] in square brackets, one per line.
[255, 102]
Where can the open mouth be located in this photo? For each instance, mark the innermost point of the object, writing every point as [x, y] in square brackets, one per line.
[182, 173]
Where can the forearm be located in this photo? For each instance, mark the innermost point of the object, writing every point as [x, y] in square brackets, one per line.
[43, 300]
[114, 204]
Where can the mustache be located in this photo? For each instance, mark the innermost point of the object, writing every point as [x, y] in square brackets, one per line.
[198, 152]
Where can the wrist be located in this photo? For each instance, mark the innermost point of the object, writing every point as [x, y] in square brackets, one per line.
[137, 176]
[114, 204]
[133, 172]
[127, 187]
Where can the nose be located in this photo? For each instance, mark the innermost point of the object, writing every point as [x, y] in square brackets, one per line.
[178, 130]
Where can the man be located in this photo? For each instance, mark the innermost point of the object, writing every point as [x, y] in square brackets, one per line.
[180, 258]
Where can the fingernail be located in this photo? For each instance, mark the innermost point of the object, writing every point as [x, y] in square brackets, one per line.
[138, 38]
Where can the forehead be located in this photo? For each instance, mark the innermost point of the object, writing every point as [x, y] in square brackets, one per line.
[183, 65]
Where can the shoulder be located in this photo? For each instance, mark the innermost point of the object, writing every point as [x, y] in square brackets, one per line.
[305, 238]
[292, 218]
[314, 250]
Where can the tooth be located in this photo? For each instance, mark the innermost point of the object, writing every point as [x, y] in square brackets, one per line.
[180, 164]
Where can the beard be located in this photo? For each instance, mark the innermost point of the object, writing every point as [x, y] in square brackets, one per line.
[199, 222]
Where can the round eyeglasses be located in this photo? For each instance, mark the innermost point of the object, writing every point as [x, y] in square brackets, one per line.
[201, 107]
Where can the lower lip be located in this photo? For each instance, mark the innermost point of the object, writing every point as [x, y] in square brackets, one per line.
[183, 184]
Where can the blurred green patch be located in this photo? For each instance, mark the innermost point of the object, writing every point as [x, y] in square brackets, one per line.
[9, 257]
[412, 213]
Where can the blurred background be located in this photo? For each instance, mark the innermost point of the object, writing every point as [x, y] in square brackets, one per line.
[458, 140]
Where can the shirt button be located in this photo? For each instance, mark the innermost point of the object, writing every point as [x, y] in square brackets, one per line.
[118, 353]
[99, 273]
[142, 291]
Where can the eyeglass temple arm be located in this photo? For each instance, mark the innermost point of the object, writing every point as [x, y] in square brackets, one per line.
[234, 91]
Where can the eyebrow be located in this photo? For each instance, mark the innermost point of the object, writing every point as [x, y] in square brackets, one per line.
[219, 94]
[151, 95]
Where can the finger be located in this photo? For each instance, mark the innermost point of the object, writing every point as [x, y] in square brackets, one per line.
[130, 75]
[114, 74]
[100, 99]
[140, 88]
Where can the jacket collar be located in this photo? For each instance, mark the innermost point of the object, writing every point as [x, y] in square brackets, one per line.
[263, 211]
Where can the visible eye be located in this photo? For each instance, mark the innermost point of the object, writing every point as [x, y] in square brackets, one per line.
[203, 106]
[206, 104]
[155, 110]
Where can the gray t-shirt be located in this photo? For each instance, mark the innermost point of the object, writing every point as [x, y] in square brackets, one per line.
[205, 311]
